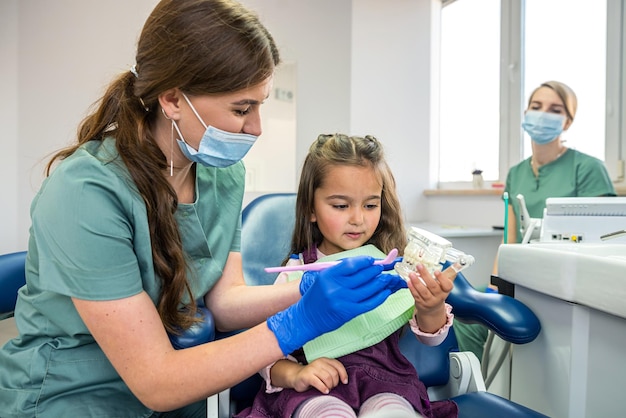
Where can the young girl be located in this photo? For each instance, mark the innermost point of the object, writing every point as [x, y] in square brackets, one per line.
[347, 199]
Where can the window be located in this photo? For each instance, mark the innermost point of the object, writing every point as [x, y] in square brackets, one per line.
[469, 90]
[495, 52]
[571, 49]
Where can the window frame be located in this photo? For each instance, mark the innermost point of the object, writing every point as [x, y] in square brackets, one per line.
[615, 141]
[512, 100]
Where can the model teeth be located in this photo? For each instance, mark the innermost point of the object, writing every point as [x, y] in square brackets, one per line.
[431, 251]
[413, 255]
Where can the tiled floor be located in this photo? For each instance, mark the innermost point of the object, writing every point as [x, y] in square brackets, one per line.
[7, 330]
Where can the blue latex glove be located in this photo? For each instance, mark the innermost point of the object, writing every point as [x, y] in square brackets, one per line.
[391, 265]
[307, 280]
[309, 276]
[394, 282]
[335, 296]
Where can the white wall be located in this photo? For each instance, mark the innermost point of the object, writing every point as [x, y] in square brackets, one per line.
[391, 94]
[59, 57]
[315, 34]
[9, 206]
[363, 67]
[271, 163]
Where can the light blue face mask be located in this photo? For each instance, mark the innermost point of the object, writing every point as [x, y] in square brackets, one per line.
[543, 127]
[217, 148]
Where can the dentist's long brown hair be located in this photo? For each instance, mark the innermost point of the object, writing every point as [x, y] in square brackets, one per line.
[201, 47]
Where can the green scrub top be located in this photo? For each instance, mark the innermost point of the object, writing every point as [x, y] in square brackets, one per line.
[90, 239]
[573, 174]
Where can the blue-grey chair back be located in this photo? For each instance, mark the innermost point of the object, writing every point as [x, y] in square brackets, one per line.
[12, 277]
[267, 226]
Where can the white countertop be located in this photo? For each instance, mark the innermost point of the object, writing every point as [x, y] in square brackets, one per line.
[457, 231]
[590, 274]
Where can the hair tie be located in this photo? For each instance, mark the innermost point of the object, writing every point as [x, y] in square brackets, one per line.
[133, 70]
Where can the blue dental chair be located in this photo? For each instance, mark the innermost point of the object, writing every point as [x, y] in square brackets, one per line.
[267, 225]
[266, 234]
[12, 277]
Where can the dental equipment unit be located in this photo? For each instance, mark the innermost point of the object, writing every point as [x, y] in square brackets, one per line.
[529, 227]
[584, 219]
[573, 278]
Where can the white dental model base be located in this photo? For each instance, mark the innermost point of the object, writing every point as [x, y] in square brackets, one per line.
[431, 250]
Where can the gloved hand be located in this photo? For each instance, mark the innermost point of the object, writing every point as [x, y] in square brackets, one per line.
[391, 265]
[309, 276]
[395, 282]
[307, 280]
[335, 296]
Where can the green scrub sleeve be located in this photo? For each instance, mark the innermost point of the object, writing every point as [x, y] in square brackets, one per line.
[85, 239]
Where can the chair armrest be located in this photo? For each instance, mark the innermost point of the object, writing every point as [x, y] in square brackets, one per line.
[507, 317]
[199, 333]
[12, 277]
[431, 362]
[218, 405]
[465, 377]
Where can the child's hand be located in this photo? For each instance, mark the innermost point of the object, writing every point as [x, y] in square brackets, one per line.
[323, 374]
[430, 296]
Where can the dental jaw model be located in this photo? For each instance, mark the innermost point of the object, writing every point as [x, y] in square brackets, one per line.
[431, 250]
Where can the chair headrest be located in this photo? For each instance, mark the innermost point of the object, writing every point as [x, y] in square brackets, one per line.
[267, 225]
[12, 277]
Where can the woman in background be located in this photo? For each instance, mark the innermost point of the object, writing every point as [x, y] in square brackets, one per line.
[553, 170]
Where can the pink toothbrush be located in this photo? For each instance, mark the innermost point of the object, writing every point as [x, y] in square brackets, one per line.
[321, 266]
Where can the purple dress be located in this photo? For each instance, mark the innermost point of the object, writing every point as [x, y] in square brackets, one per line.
[381, 368]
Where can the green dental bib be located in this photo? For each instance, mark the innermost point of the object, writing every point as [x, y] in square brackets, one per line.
[366, 329]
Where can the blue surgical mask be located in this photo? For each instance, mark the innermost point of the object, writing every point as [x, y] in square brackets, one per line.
[543, 127]
[217, 148]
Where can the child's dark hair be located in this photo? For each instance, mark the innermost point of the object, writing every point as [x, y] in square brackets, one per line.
[339, 149]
